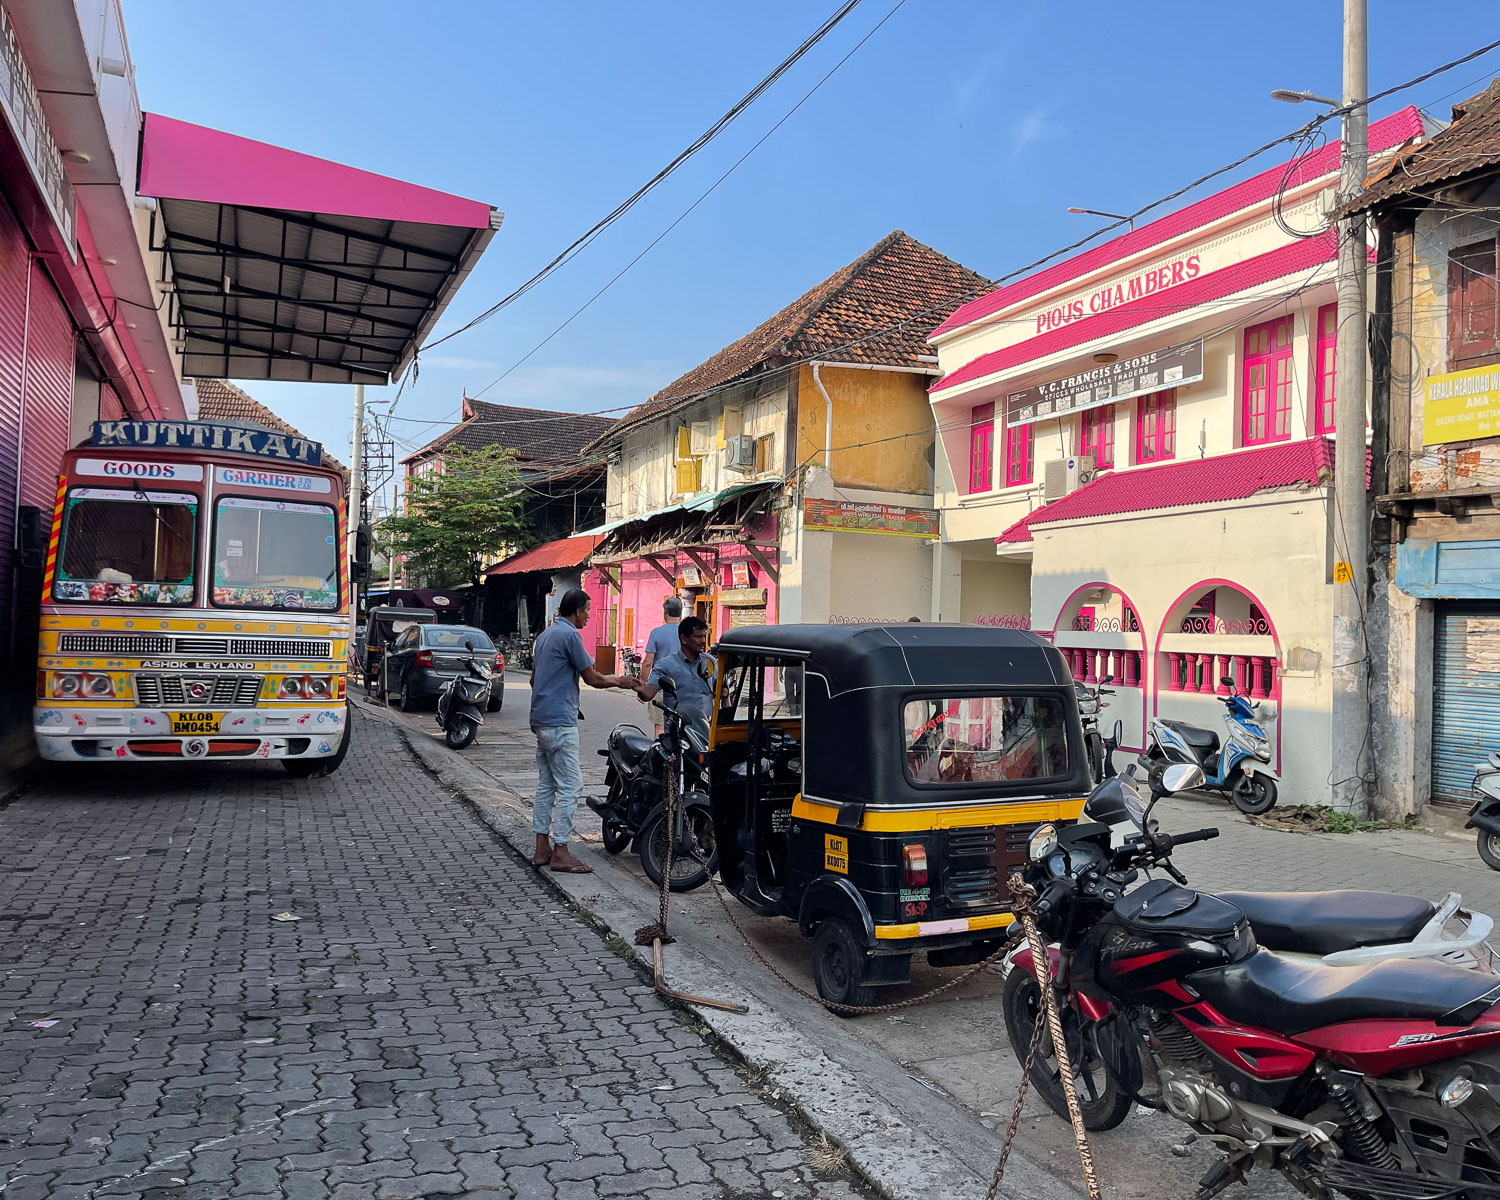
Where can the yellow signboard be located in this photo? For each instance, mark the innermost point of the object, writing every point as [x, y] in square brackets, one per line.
[1342, 572]
[836, 853]
[1462, 405]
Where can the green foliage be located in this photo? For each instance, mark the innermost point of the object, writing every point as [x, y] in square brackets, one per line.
[460, 518]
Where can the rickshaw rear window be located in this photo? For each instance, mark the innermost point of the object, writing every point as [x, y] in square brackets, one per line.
[986, 739]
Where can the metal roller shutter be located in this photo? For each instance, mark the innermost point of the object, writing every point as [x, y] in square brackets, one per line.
[15, 269]
[1466, 697]
[51, 355]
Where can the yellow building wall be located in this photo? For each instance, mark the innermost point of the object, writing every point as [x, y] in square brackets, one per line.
[882, 428]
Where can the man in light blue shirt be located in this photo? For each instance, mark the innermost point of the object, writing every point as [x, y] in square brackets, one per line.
[663, 639]
[694, 672]
[560, 662]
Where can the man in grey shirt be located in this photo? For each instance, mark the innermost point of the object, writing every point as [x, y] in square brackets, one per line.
[663, 639]
[694, 672]
[560, 662]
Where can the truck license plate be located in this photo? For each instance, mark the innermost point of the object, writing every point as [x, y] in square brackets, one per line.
[195, 722]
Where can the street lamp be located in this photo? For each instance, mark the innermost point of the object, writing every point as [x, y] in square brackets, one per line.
[1094, 212]
[1289, 97]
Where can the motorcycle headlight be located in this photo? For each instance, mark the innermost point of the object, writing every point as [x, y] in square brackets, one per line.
[1043, 843]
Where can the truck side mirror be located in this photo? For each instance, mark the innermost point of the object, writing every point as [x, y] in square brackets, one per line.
[359, 565]
[31, 536]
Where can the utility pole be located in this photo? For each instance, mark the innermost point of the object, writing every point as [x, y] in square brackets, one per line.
[356, 501]
[1352, 746]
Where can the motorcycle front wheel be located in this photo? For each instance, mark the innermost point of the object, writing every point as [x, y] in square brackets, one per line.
[461, 732]
[1253, 794]
[617, 838]
[693, 865]
[1489, 850]
[1101, 1102]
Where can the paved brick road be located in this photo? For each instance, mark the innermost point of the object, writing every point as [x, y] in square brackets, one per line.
[435, 1025]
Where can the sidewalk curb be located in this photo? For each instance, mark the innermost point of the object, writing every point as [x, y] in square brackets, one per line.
[894, 1156]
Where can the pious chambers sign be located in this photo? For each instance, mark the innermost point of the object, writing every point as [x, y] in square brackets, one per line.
[1123, 380]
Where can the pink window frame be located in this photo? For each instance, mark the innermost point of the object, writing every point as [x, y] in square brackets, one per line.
[1325, 371]
[1161, 438]
[1018, 454]
[982, 448]
[1096, 435]
[1276, 363]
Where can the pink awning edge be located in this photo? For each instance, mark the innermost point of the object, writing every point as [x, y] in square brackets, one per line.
[181, 161]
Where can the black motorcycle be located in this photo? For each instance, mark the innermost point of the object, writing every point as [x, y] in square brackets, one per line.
[634, 809]
[1100, 749]
[462, 701]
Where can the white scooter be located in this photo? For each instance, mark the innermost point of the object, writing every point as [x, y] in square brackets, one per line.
[1485, 815]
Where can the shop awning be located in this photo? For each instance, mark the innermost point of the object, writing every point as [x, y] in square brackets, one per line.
[286, 266]
[706, 520]
[562, 555]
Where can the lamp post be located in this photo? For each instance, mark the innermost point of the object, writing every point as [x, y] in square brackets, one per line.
[1095, 212]
[1351, 712]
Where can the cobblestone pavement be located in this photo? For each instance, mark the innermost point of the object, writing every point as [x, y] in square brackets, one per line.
[435, 1024]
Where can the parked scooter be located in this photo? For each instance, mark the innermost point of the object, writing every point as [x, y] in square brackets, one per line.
[1100, 749]
[461, 703]
[1241, 769]
[1370, 1081]
[1336, 928]
[635, 807]
[1485, 815]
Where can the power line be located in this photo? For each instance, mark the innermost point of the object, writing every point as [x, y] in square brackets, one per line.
[581, 242]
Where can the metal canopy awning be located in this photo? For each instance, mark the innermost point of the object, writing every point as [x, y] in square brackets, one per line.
[286, 266]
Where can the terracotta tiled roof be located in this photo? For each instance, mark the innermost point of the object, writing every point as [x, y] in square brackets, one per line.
[551, 556]
[1236, 476]
[220, 400]
[1303, 255]
[1385, 134]
[1471, 143]
[537, 436]
[886, 302]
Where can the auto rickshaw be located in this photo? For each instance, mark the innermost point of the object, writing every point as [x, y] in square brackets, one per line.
[382, 624]
[877, 784]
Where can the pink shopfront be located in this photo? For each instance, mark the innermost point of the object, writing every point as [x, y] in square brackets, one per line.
[727, 576]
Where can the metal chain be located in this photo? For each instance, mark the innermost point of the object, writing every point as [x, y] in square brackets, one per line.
[1015, 1112]
[647, 934]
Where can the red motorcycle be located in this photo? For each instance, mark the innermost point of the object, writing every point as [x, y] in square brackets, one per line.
[1379, 1081]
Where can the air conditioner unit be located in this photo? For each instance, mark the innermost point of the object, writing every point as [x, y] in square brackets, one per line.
[1064, 475]
[739, 453]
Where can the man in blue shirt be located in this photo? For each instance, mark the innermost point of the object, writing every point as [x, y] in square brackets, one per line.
[694, 672]
[560, 662]
[663, 639]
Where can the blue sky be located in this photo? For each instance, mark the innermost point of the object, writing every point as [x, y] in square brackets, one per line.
[971, 124]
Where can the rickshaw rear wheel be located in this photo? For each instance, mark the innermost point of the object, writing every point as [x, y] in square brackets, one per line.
[839, 966]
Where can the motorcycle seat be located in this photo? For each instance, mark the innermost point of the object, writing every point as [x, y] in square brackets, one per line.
[1198, 739]
[1289, 996]
[1326, 922]
[630, 744]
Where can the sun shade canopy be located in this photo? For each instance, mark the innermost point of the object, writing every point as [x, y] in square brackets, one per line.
[286, 266]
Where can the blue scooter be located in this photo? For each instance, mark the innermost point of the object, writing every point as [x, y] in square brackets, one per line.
[1240, 769]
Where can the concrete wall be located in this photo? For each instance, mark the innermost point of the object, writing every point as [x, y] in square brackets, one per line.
[882, 427]
[991, 589]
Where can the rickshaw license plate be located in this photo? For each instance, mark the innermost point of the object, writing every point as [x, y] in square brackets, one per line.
[836, 853]
[194, 722]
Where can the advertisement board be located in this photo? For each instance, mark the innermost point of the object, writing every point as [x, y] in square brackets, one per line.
[847, 516]
[1462, 405]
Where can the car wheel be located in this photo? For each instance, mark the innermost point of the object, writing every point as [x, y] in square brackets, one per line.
[839, 966]
[497, 699]
[407, 702]
[1101, 1102]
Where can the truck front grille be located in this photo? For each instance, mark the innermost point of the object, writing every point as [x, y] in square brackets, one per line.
[221, 691]
[131, 645]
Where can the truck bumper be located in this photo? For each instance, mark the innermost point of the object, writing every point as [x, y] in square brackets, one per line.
[78, 734]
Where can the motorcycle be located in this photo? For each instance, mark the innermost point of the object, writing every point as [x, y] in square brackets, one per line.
[462, 701]
[1376, 1081]
[1485, 815]
[1100, 749]
[635, 810]
[1240, 769]
[1342, 928]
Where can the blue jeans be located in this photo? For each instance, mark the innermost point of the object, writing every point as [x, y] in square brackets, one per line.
[559, 780]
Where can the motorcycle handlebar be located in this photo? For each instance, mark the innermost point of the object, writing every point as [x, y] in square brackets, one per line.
[1197, 835]
[1055, 891]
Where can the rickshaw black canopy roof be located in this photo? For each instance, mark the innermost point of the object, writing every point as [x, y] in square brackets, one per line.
[911, 654]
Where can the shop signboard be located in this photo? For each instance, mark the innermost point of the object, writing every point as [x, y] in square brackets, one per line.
[1138, 375]
[848, 516]
[1461, 405]
[692, 577]
[22, 109]
[743, 597]
[739, 573]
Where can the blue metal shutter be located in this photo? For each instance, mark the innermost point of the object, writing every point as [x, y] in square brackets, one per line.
[1466, 696]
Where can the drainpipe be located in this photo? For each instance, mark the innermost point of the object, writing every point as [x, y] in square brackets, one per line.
[827, 420]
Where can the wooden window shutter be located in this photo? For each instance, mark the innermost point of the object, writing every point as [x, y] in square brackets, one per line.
[684, 441]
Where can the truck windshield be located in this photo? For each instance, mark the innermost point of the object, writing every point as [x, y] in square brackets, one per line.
[275, 554]
[126, 547]
[986, 739]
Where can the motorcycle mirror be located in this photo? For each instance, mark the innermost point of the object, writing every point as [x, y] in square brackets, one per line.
[669, 685]
[1117, 734]
[1182, 777]
[1227, 680]
[469, 644]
